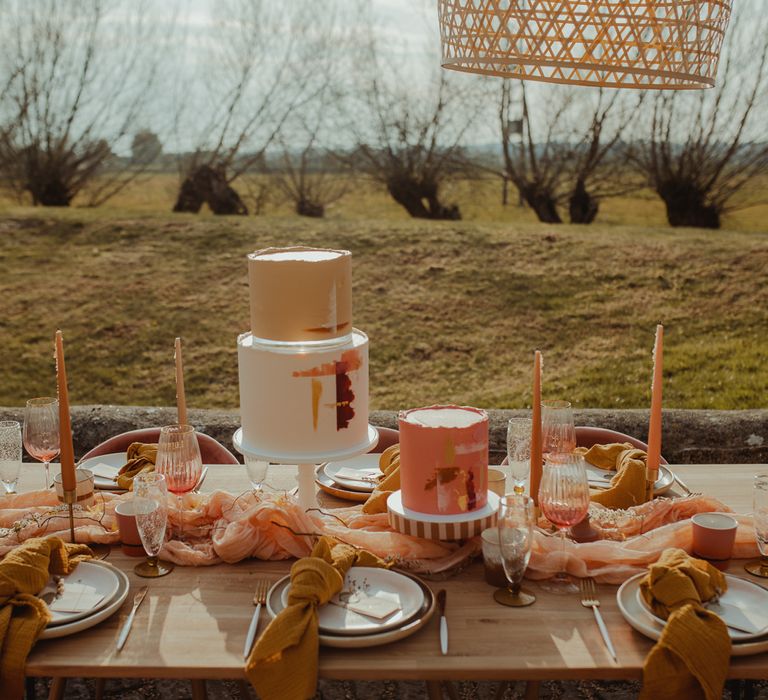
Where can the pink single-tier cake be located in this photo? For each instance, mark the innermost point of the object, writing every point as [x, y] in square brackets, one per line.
[444, 459]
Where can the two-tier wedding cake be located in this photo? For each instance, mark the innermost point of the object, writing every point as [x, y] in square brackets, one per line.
[303, 368]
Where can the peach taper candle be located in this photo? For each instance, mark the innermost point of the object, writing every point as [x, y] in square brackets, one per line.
[654, 427]
[68, 481]
[536, 456]
[181, 399]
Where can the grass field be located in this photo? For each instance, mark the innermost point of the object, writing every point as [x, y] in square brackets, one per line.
[453, 310]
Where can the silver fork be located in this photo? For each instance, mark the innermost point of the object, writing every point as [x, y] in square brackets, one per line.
[589, 600]
[259, 599]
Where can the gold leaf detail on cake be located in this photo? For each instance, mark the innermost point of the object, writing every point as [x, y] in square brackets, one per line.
[317, 392]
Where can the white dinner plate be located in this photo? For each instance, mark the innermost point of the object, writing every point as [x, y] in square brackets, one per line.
[99, 616]
[597, 478]
[113, 459]
[641, 620]
[275, 605]
[89, 573]
[383, 583]
[363, 463]
[324, 483]
[741, 595]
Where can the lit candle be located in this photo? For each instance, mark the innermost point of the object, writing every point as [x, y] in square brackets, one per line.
[654, 428]
[536, 457]
[67, 457]
[181, 400]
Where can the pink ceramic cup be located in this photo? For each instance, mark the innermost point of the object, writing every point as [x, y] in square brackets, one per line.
[130, 539]
[713, 535]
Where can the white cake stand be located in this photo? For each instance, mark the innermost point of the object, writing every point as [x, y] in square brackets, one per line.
[307, 462]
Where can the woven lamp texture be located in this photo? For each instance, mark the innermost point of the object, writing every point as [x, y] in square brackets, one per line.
[647, 44]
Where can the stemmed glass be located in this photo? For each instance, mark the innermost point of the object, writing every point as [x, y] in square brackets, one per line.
[515, 526]
[178, 459]
[41, 431]
[759, 567]
[564, 501]
[150, 500]
[519, 451]
[10, 454]
[257, 472]
[558, 433]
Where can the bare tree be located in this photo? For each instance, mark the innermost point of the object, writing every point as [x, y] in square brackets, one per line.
[81, 74]
[260, 69]
[563, 150]
[410, 134]
[307, 172]
[704, 148]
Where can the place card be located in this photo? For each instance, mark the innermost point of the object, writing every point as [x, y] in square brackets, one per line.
[104, 471]
[76, 597]
[364, 475]
[740, 616]
[375, 606]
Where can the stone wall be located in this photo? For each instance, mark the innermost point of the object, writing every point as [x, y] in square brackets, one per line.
[689, 437]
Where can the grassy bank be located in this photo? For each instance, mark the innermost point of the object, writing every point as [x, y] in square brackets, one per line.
[453, 310]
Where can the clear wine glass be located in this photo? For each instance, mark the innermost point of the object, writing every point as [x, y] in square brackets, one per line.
[558, 432]
[759, 567]
[519, 451]
[10, 454]
[515, 526]
[178, 459]
[564, 501]
[150, 500]
[41, 431]
[257, 472]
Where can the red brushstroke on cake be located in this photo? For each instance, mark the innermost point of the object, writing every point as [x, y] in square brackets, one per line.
[344, 396]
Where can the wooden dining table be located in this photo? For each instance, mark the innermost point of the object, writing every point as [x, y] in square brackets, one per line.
[193, 622]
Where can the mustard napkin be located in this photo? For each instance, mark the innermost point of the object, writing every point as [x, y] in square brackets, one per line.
[691, 658]
[23, 574]
[283, 662]
[628, 487]
[389, 463]
[140, 457]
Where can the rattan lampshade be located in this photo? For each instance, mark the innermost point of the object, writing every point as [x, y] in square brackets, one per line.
[650, 44]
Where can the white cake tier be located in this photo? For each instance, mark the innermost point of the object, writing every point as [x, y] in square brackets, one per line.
[303, 399]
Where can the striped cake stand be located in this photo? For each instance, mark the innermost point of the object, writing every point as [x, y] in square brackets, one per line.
[460, 526]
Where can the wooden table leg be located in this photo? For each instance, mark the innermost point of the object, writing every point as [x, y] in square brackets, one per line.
[532, 690]
[198, 690]
[98, 690]
[58, 686]
[434, 690]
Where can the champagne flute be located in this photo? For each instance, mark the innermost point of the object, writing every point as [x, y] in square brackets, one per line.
[515, 526]
[759, 567]
[558, 432]
[519, 451]
[178, 459]
[564, 501]
[41, 431]
[150, 500]
[10, 454]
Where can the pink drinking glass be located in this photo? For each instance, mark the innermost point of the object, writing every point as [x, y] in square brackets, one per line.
[41, 431]
[564, 501]
[178, 459]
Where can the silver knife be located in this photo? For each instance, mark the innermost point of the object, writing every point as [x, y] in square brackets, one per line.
[129, 622]
[441, 595]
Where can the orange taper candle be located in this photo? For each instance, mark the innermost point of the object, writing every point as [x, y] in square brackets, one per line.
[536, 457]
[67, 458]
[654, 428]
[181, 399]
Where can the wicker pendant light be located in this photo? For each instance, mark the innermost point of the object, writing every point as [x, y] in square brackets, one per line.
[647, 44]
